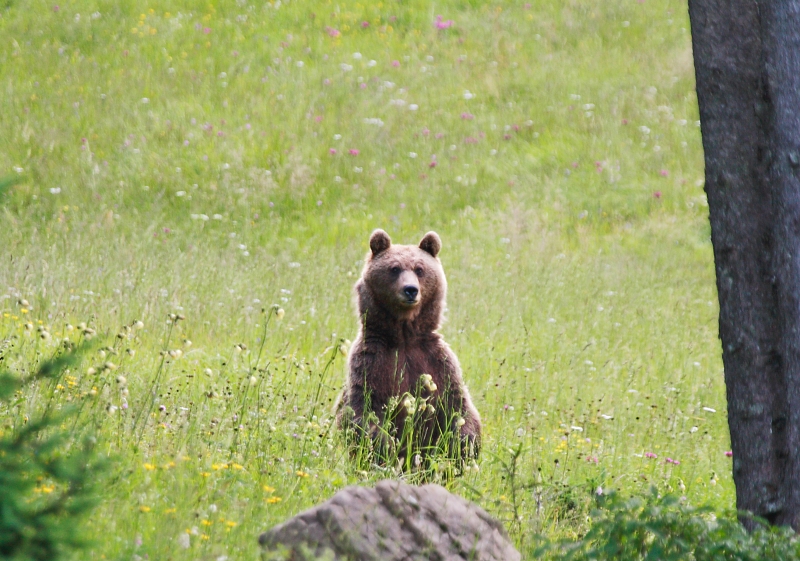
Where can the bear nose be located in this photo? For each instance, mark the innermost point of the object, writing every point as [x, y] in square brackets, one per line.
[411, 292]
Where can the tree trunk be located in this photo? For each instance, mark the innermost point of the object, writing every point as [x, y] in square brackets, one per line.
[747, 64]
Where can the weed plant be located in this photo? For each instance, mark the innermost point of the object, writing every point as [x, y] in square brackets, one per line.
[197, 185]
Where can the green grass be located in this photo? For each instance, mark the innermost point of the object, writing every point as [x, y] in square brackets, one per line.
[175, 158]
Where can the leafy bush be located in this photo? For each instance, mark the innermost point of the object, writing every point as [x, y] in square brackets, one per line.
[655, 528]
[46, 479]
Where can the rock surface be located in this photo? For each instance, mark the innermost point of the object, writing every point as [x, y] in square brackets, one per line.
[393, 521]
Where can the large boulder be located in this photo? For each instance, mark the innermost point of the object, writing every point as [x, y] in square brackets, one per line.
[393, 521]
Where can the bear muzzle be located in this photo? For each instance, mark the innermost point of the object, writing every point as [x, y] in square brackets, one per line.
[411, 294]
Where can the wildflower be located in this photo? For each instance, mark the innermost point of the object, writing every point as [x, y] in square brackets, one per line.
[354, 152]
[442, 24]
[395, 63]
[467, 116]
[332, 151]
[650, 455]
[301, 473]
[357, 56]
[273, 500]
[656, 194]
[332, 32]
[729, 453]
[184, 540]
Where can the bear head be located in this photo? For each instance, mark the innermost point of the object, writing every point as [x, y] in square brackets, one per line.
[405, 281]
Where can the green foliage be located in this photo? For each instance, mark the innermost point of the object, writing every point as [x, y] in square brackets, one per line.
[6, 183]
[656, 528]
[47, 480]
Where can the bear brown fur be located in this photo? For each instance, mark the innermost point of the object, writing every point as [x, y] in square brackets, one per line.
[403, 378]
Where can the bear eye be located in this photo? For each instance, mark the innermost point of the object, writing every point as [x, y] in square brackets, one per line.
[419, 271]
[396, 270]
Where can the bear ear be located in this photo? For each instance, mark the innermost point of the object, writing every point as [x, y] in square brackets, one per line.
[379, 241]
[431, 243]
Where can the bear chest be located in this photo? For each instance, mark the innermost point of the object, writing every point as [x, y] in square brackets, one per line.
[408, 364]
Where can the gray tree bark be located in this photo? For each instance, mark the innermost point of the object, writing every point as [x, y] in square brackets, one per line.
[747, 65]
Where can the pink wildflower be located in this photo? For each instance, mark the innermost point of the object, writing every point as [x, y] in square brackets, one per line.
[206, 30]
[443, 24]
[657, 194]
[354, 152]
[395, 63]
[332, 151]
[650, 455]
[332, 32]
[364, 24]
[467, 116]
[729, 453]
[664, 173]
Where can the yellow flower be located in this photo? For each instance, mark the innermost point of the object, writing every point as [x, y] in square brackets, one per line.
[149, 467]
[269, 489]
[237, 466]
[301, 473]
[230, 523]
[144, 508]
[171, 511]
[206, 522]
[273, 500]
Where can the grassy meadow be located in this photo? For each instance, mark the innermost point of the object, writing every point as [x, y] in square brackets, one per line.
[188, 168]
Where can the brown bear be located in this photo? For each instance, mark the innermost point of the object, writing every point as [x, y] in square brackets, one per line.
[404, 392]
